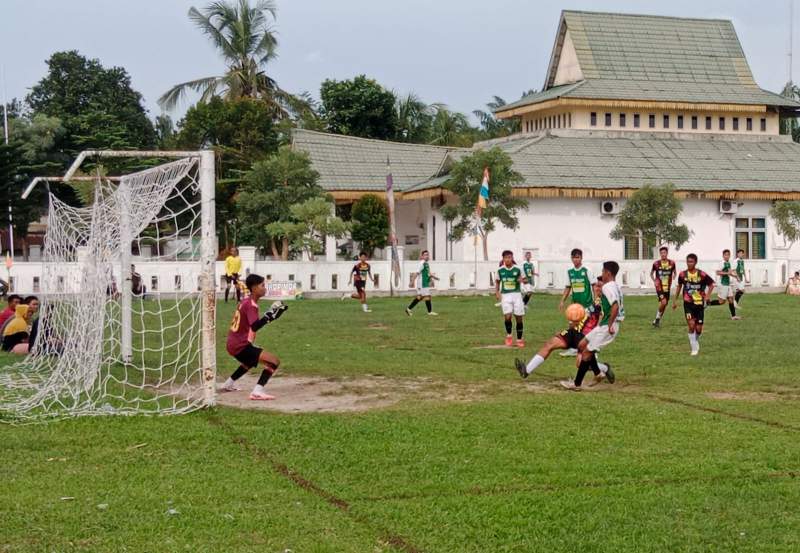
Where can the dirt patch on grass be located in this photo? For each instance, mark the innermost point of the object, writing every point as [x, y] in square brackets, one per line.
[298, 394]
[746, 396]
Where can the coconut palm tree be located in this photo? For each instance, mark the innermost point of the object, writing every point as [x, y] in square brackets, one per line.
[244, 36]
[414, 118]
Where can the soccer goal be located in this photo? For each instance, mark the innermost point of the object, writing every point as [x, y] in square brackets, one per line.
[101, 343]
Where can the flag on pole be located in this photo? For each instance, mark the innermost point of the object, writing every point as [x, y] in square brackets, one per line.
[392, 232]
[483, 195]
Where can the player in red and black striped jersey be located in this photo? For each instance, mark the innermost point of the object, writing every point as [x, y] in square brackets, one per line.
[697, 287]
[359, 275]
[568, 338]
[662, 273]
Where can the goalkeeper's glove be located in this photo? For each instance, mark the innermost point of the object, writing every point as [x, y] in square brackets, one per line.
[275, 311]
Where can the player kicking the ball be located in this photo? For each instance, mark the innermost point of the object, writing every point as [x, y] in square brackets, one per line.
[662, 273]
[507, 290]
[613, 312]
[424, 280]
[569, 337]
[696, 286]
[241, 334]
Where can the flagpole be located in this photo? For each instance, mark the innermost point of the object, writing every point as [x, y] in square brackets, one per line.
[395, 261]
[5, 135]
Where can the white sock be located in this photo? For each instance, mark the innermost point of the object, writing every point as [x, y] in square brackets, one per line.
[229, 383]
[364, 306]
[603, 367]
[535, 362]
[658, 315]
[258, 389]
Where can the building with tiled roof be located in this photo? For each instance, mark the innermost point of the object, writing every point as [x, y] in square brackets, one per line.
[627, 100]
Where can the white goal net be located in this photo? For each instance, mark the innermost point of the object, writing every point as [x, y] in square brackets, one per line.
[103, 342]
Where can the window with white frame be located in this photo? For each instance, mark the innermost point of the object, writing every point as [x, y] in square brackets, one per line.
[751, 236]
[637, 248]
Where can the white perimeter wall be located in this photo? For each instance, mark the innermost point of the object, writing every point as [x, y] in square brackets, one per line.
[549, 227]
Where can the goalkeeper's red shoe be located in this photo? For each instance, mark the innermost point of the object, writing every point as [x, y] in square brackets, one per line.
[509, 341]
[520, 343]
[256, 396]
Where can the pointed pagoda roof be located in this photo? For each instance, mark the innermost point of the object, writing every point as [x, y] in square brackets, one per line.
[650, 58]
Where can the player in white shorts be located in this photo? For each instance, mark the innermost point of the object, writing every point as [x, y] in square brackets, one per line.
[508, 291]
[425, 279]
[613, 312]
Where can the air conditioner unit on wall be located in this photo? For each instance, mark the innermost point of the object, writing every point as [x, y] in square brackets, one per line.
[728, 206]
[609, 207]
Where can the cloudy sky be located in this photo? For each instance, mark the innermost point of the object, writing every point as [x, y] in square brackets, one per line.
[460, 52]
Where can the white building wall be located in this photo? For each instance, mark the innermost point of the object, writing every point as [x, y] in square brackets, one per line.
[552, 227]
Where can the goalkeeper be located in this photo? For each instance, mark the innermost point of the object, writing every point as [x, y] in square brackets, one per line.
[241, 334]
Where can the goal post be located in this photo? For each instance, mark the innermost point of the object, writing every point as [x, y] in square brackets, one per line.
[102, 349]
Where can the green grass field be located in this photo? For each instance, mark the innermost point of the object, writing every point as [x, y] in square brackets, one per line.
[683, 454]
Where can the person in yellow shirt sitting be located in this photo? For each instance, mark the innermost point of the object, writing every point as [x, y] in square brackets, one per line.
[233, 267]
[17, 331]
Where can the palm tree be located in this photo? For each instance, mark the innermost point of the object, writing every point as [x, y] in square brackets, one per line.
[451, 128]
[414, 118]
[245, 38]
[491, 126]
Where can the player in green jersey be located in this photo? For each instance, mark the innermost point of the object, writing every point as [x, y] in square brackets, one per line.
[424, 280]
[579, 287]
[508, 291]
[530, 272]
[741, 278]
[725, 292]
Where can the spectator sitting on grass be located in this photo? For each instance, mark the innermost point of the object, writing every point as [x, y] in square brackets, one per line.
[15, 335]
[8, 312]
[793, 287]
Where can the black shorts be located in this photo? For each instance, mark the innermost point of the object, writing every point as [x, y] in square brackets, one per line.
[662, 296]
[360, 285]
[694, 312]
[571, 337]
[249, 355]
[232, 279]
[13, 340]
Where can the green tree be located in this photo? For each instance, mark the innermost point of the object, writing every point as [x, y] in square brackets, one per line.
[652, 212]
[789, 125]
[787, 219]
[370, 219]
[450, 128]
[493, 127]
[245, 38]
[359, 107]
[309, 223]
[29, 154]
[271, 187]
[465, 182]
[241, 132]
[97, 107]
[414, 119]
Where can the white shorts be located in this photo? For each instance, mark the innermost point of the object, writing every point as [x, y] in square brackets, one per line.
[724, 291]
[740, 286]
[423, 292]
[512, 303]
[599, 337]
[527, 288]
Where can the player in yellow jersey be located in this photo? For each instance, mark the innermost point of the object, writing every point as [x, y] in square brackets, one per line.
[233, 268]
